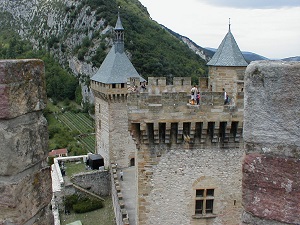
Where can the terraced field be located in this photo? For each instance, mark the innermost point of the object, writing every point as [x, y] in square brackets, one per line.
[83, 124]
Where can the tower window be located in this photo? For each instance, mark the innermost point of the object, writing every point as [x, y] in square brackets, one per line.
[204, 201]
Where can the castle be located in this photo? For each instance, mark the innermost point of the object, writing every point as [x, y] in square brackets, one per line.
[194, 164]
[188, 158]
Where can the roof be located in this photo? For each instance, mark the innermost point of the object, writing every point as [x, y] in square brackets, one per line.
[119, 25]
[58, 152]
[95, 157]
[228, 53]
[115, 69]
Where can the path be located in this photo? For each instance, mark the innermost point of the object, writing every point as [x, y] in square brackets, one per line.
[128, 188]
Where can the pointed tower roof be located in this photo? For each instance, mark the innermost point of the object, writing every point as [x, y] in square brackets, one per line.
[228, 53]
[119, 25]
[116, 67]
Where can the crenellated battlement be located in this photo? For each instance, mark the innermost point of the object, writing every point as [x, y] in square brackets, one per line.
[159, 96]
[162, 114]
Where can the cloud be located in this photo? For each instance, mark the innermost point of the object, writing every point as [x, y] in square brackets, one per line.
[254, 4]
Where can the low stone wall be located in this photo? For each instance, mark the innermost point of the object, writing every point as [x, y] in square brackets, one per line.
[97, 182]
[117, 197]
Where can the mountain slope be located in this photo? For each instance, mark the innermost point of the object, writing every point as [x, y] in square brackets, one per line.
[79, 35]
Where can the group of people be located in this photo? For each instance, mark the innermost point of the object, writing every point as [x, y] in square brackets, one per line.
[135, 88]
[195, 96]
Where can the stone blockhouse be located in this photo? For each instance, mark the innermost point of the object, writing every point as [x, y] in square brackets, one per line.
[188, 158]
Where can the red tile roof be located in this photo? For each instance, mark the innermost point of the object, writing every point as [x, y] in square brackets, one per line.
[56, 152]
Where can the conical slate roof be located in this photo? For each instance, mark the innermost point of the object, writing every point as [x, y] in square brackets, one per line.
[115, 69]
[228, 53]
[119, 25]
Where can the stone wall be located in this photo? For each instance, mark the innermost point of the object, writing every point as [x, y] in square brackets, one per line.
[117, 198]
[102, 123]
[97, 182]
[25, 180]
[182, 148]
[167, 185]
[230, 78]
[271, 188]
[114, 142]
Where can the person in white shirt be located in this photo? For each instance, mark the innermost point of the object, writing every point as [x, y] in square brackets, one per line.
[194, 92]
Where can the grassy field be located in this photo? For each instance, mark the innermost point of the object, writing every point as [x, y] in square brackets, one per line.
[103, 216]
[74, 168]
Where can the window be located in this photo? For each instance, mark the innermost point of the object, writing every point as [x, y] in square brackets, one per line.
[204, 201]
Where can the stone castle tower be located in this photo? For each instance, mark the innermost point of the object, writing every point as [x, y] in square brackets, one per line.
[227, 67]
[109, 86]
[188, 158]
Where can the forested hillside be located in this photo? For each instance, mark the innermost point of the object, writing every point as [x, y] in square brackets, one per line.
[78, 34]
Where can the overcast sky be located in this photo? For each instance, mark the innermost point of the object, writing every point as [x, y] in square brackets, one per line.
[270, 28]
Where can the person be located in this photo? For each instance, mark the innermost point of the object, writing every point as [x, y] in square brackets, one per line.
[198, 98]
[143, 86]
[194, 91]
[226, 100]
[121, 174]
[225, 96]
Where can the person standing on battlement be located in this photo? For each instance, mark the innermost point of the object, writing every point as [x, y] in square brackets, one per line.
[194, 91]
[198, 98]
[225, 96]
[121, 175]
[143, 86]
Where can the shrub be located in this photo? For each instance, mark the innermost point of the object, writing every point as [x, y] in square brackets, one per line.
[87, 205]
[82, 204]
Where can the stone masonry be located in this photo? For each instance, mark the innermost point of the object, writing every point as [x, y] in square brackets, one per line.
[271, 168]
[182, 148]
[25, 185]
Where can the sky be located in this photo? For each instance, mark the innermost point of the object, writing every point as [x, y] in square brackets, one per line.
[270, 28]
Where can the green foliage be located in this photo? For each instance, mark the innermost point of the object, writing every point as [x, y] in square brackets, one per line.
[50, 160]
[87, 205]
[155, 52]
[59, 83]
[100, 55]
[69, 128]
[82, 204]
[78, 95]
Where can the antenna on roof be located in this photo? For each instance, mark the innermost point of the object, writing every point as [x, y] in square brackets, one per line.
[119, 7]
[229, 24]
